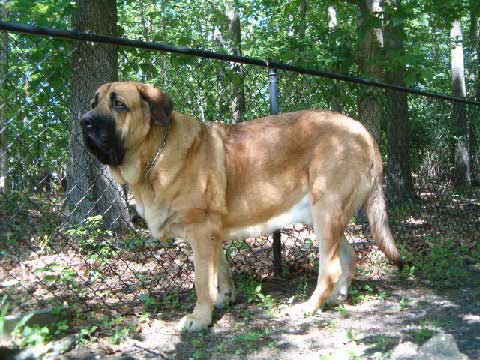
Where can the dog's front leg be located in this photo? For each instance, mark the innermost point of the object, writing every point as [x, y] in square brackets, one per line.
[204, 245]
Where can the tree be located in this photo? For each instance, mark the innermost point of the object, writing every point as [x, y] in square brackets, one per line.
[370, 107]
[90, 189]
[462, 164]
[399, 176]
[221, 77]
[474, 87]
[3, 92]
[238, 87]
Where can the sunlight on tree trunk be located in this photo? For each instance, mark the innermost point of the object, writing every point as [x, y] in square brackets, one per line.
[3, 92]
[332, 18]
[336, 102]
[238, 91]
[90, 189]
[462, 163]
[223, 108]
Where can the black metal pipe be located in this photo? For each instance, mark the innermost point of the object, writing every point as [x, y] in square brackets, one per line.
[277, 245]
[88, 36]
[273, 90]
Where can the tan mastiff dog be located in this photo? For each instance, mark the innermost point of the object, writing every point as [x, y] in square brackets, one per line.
[210, 182]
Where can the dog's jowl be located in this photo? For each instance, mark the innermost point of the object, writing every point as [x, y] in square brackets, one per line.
[210, 182]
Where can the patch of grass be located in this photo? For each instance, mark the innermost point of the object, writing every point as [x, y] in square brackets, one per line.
[382, 343]
[422, 334]
[122, 333]
[353, 335]
[86, 334]
[366, 292]
[26, 334]
[328, 356]
[199, 349]
[327, 324]
[445, 261]
[248, 337]
[404, 304]
[301, 289]
[342, 311]
[220, 347]
[253, 291]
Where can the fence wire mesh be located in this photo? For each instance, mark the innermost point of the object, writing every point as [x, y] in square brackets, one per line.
[70, 236]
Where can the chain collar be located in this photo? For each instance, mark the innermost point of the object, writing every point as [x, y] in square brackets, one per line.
[160, 150]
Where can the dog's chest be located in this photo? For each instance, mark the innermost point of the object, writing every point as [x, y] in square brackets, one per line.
[159, 220]
[298, 213]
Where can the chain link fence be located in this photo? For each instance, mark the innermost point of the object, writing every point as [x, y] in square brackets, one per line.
[49, 257]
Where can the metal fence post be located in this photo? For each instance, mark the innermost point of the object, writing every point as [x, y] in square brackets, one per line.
[277, 246]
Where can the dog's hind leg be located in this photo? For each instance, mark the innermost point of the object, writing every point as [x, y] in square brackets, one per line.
[226, 289]
[329, 224]
[347, 262]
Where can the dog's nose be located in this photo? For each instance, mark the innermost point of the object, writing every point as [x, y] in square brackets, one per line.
[86, 121]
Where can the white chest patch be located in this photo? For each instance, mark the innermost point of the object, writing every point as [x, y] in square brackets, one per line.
[140, 210]
[299, 213]
[158, 221]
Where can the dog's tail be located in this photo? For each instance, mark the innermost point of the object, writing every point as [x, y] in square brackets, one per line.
[377, 217]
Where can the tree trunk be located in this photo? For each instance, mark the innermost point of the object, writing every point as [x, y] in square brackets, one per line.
[370, 107]
[238, 88]
[222, 86]
[337, 100]
[90, 189]
[399, 176]
[474, 87]
[302, 9]
[3, 93]
[462, 163]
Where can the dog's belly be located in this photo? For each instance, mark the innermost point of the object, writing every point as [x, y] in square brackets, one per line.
[298, 213]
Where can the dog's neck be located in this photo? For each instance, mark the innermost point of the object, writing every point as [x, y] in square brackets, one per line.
[151, 164]
[168, 144]
[142, 159]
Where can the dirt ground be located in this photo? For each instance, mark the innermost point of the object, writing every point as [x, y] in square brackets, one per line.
[395, 318]
[428, 312]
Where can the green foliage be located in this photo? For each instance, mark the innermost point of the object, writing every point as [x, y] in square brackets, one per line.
[253, 292]
[404, 304]
[121, 333]
[57, 274]
[342, 311]
[86, 334]
[3, 313]
[31, 336]
[422, 334]
[27, 335]
[366, 292]
[38, 93]
[445, 261]
[94, 240]
[352, 335]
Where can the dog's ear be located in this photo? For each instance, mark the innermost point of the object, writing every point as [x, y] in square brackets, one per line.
[161, 105]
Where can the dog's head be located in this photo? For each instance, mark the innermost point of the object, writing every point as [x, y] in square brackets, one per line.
[120, 117]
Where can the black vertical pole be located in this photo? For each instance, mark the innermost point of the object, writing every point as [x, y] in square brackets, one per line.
[277, 246]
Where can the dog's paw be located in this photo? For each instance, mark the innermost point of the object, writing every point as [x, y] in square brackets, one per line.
[193, 323]
[302, 310]
[225, 298]
[336, 298]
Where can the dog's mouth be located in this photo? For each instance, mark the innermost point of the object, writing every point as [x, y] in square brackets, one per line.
[101, 140]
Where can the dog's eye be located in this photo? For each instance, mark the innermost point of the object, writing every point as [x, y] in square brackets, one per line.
[93, 104]
[119, 106]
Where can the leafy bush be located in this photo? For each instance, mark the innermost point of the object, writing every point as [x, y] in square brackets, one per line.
[94, 240]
